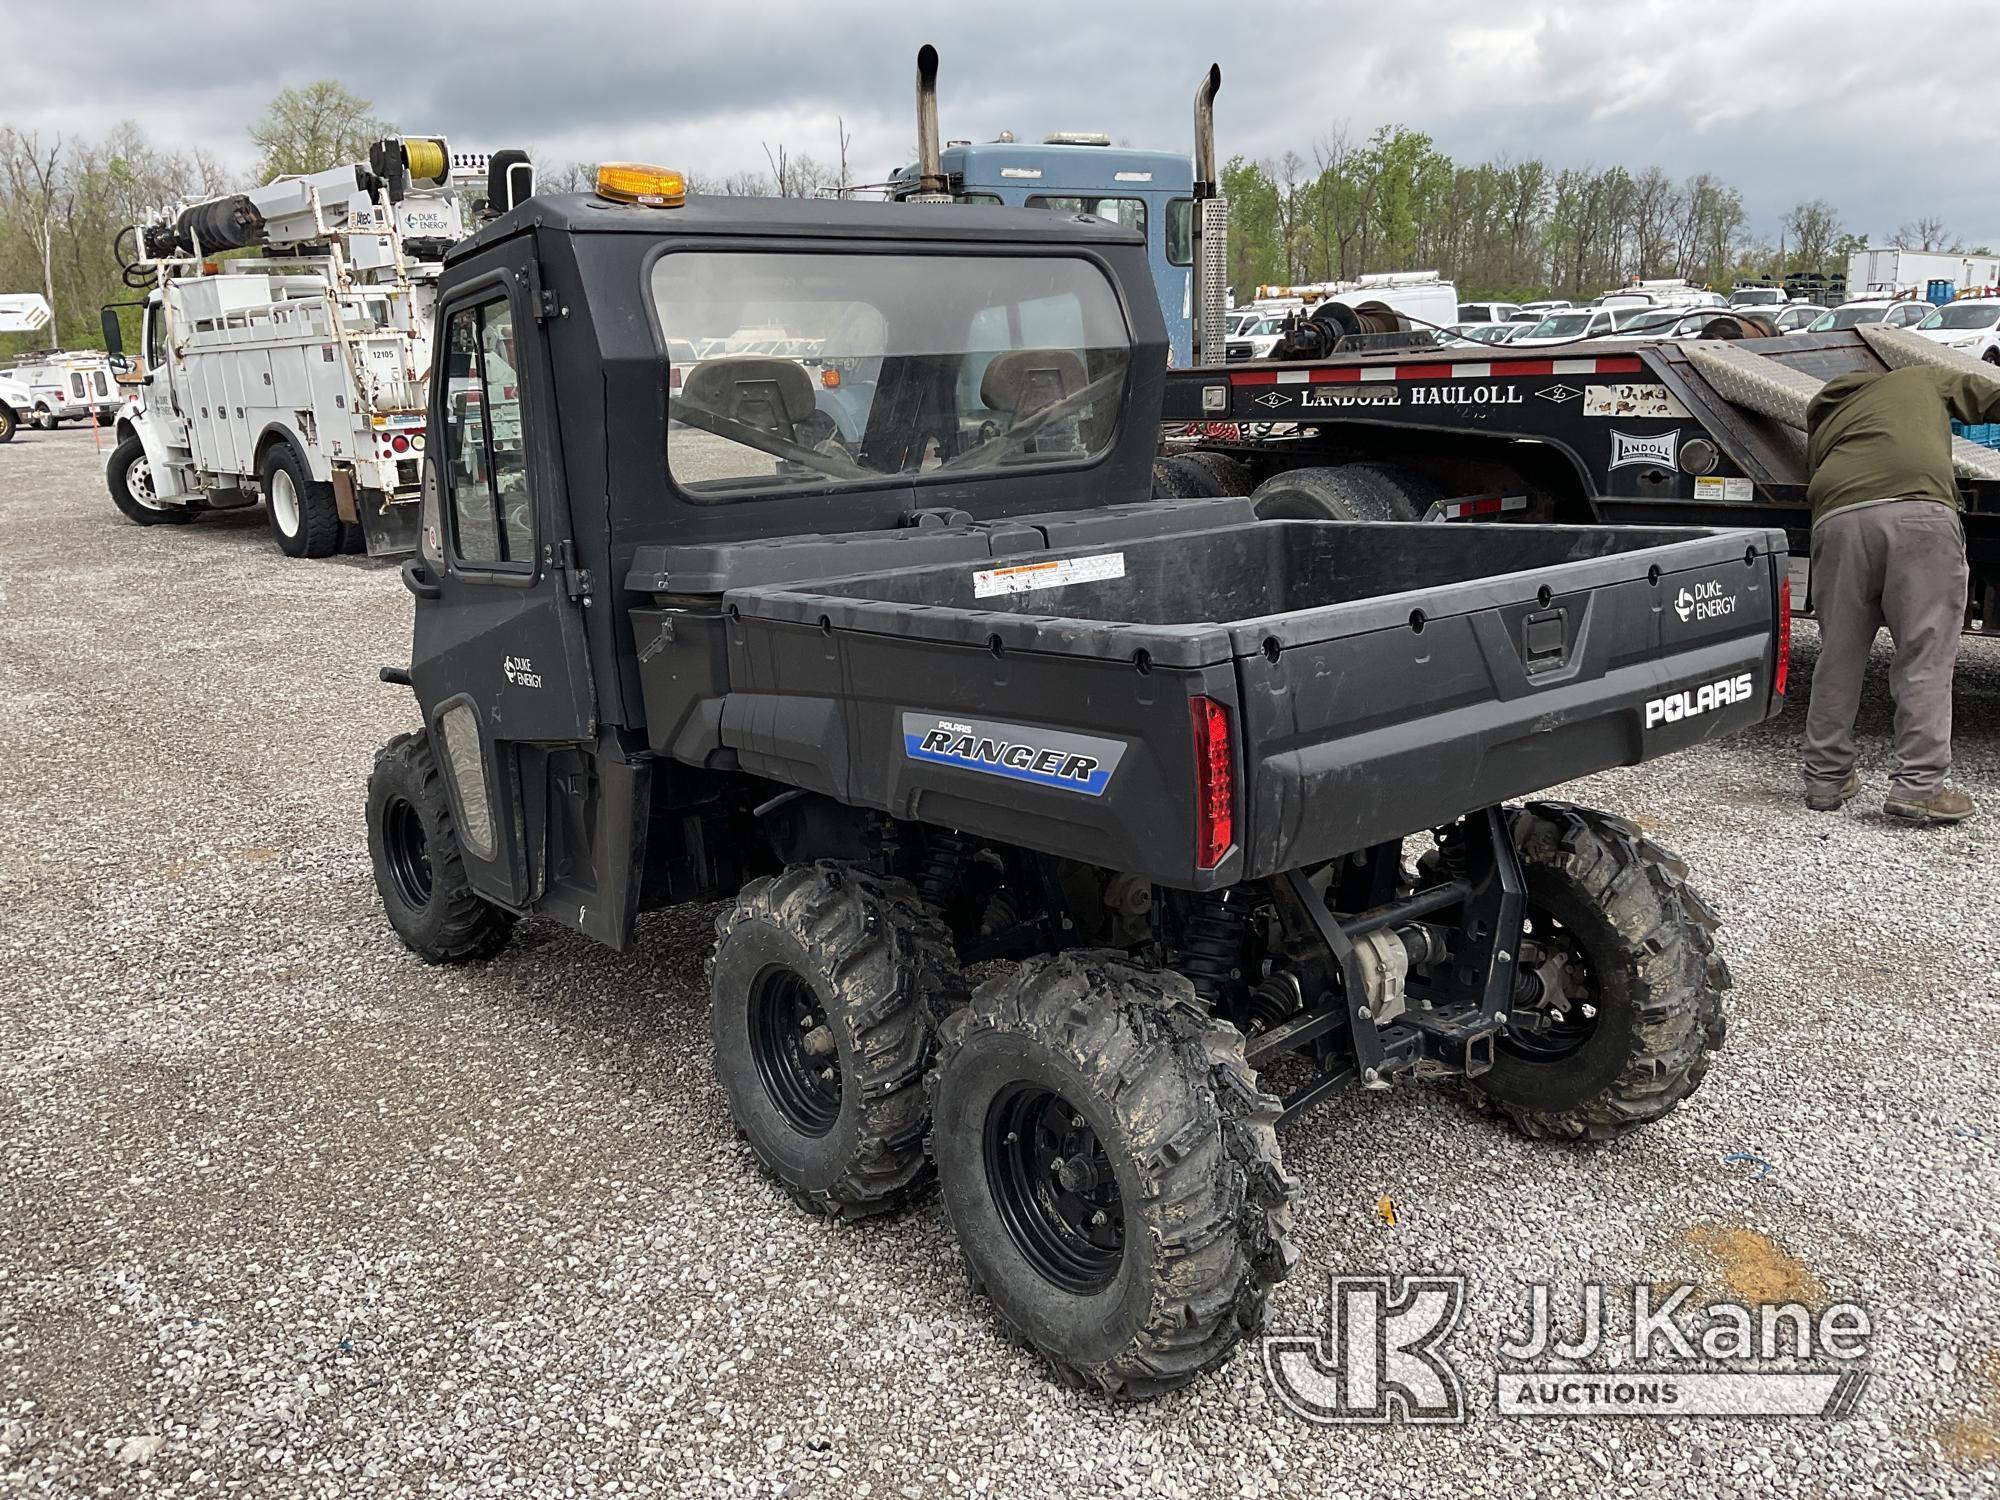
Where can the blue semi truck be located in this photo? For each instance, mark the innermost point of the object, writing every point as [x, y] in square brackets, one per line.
[1170, 198]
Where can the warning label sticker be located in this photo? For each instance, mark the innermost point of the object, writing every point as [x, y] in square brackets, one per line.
[1025, 578]
[1733, 490]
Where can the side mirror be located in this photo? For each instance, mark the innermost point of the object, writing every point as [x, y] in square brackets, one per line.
[510, 180]
[113, 331]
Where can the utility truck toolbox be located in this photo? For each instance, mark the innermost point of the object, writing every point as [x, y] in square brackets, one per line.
[804, 555]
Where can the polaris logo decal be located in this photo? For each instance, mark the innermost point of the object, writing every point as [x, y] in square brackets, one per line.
[1629, 451]
[1689, 702]
[1044, 757]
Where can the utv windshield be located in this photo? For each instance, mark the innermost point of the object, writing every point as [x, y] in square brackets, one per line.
[830, 370]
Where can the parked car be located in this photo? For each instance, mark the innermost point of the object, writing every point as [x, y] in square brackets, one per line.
[1896, 313]
[1757, 299]
[1256, 339]
[1574, 323]
[1649, 322]
[1971, 326]
[1487, 312]
[1798, 317]
[1478, 333]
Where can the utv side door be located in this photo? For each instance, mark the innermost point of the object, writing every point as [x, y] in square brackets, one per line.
[499, 659]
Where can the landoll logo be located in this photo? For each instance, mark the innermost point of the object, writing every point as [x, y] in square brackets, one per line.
[1629, 450]
[1690, 702]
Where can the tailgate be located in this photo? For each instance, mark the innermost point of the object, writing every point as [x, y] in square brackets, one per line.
[1372, 721]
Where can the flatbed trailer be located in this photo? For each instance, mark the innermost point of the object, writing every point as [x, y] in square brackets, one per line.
[1606, 431]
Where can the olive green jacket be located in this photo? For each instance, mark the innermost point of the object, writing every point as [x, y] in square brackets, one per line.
[1887, 436]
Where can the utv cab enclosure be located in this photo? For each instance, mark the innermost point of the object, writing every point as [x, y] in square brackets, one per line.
[802, 555]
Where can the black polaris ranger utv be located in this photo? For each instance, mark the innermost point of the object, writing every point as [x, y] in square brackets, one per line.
[802, 555]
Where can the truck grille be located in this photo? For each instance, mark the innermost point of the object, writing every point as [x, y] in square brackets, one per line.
[1236, 352]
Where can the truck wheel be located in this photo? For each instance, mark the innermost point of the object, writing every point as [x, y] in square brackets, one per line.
[1230, 476]
[419, 868]
[1414, 494]
[8, 423]
[44, 419]
[1111, 1170]
[1352, 492]
[822, 983]
[1629, 1011]
[129, 477]
[304, 518]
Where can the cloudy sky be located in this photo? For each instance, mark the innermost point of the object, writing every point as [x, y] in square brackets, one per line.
[1885, 110]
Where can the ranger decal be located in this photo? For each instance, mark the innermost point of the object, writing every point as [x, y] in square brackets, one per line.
[1046, 757]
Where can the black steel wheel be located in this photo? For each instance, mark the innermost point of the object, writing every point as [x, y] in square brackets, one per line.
[1055, 1188]
[419, 865]
[794, 1050]
[822, 986]
[407, 850]
[1111, 1170]
[1625, 1012]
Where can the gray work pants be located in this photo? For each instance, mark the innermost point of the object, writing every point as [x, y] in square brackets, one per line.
[1900, 564]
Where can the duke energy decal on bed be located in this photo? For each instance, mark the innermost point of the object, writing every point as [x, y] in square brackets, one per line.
[1045, 757]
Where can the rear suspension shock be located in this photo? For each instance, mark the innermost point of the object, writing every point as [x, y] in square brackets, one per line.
[1210, 951]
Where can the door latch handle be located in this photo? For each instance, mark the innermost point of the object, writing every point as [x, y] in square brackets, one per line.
[417, 579]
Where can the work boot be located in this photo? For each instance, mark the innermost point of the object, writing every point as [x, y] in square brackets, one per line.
[1945, 805]
[1831, 799]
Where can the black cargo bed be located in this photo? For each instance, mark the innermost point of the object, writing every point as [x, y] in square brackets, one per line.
[1380, 679]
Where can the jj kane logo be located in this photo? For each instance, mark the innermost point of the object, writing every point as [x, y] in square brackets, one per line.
[1644, 1350]
[1043, 757]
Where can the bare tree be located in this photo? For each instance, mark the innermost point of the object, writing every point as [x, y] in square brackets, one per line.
[33, 184]
[1926, 233]
[1812, 228]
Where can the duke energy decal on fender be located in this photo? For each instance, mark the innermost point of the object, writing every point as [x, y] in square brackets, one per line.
[1045, 757]
[1689, 702]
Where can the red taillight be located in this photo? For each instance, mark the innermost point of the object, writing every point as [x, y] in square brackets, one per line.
[1784, 669]
[1214, 792]
[400, 443]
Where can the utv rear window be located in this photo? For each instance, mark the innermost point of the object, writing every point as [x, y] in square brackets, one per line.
[835, 370]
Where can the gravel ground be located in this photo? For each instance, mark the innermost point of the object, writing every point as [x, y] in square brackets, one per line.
[287, 1212]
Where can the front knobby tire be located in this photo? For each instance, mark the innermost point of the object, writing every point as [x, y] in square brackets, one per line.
[419, 865]
[1111, 1170]
[823, 982]
[1633, 949]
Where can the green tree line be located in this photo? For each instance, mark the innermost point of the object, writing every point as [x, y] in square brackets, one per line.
[1510, 228]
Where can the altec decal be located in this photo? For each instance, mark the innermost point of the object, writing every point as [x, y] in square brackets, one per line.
[1045, 757]
[1689, 702]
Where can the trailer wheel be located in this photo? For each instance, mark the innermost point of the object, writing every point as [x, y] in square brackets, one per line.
[1415, 495]
[1231, 476]
[129, 477]
[1174, 479]
[822, 984]
[304, 518]
[1628, 986]
[8, 423]
[1111, 1170]
[419, 866]
[1352, 492]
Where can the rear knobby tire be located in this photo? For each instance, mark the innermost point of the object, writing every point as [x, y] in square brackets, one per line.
[1350, 492]
[305, 521]
[1649, 967]
[129, 477]
[1174, 1130]
[419, 866]
[823, 982]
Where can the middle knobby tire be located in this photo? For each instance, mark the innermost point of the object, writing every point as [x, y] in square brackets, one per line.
[824, 980]
[1631, 1007]
[1111, 1169]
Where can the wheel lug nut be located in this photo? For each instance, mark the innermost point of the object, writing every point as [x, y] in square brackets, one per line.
[1099, 1219]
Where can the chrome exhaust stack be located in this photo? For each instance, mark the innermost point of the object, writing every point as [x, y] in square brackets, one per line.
[1210, 271]
[931, 186]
